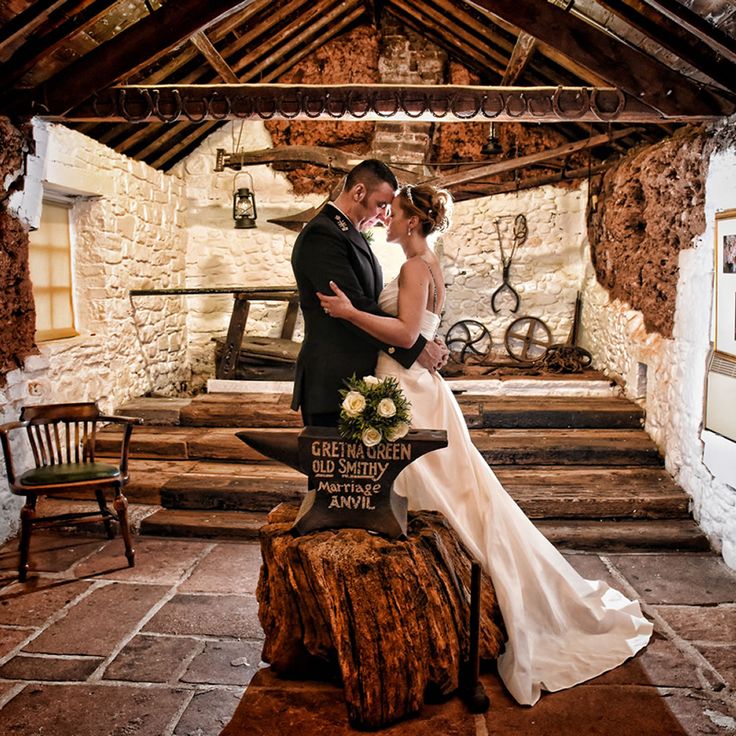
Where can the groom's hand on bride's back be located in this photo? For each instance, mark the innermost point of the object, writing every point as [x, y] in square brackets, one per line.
[434, 356]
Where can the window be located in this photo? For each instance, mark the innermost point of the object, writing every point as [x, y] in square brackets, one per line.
[51, 273]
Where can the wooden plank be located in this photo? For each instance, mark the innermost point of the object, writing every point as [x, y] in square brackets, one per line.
[565, 447]
[27, 21]
[257, 396]
[625, 536]
[222, 444]
[591, 504]
[203, 524]
[171, 445]
[224, 493]
[623, 66]
[565, 413]
[637, 479]
[154, 411]
[205, 47]
[520, 57]
[238, 412]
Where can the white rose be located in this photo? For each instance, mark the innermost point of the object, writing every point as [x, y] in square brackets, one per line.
[372, 380]
[386, 408]
[371, 437]
[353, 403]
[397, 432]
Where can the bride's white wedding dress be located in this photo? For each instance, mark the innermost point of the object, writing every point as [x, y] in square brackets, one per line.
[562, 629]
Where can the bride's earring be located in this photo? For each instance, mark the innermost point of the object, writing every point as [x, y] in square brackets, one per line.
[409, 232]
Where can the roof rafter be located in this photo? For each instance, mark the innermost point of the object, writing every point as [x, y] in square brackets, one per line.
[621, 65]
[675, 37]
[130, 50]
[521, 162]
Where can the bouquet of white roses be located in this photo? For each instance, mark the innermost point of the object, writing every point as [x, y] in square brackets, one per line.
[374, 410]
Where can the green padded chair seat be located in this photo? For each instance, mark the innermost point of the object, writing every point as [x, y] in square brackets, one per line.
[68, 473]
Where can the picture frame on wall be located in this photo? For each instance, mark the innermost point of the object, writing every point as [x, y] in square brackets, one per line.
[725, 283]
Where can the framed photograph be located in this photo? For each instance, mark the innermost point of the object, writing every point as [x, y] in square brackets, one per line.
[725, 282]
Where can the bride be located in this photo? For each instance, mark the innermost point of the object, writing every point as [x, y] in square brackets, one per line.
[562, 629]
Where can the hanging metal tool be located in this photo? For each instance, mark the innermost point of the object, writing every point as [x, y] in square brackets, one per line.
[520, 233]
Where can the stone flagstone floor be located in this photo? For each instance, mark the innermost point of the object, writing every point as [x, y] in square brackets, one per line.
[89, 647]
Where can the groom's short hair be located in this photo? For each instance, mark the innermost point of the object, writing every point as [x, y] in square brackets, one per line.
[371, 173]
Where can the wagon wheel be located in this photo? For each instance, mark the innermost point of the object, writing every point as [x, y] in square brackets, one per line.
[469, 337]
[527, 339]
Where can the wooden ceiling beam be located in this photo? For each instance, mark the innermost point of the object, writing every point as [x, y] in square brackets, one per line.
[303, 9]
[621, 65]
[205, 47]
[521, 162]
[522, 53]
[27, 21]
[216, 33]
[333, 158]
[374, 102]
[675, 38]
[202, 131]
[487, 189]
[51, 36]
[309, 26]
[133, 48]
[466, 47]
[699, 27]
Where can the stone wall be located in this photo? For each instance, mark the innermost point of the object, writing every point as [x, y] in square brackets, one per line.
[219, 256]
[128, 233]
[547, 270]
[667, 374]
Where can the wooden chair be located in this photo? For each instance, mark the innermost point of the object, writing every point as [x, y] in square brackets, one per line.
[62, 439]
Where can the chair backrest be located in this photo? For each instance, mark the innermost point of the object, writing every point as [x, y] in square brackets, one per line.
[62, 433]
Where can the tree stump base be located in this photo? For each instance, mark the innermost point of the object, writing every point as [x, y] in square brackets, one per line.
[389, 619]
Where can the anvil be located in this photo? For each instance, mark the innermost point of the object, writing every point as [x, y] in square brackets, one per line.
[350, 484]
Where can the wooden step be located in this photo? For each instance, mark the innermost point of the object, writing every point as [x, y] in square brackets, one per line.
[625, 536]
[274, 410]
[204, 524]
[601, 536]
[230, 493]
[566, 447]
[547, 412]
[595, 492]
[542, 492]
[182, 443]
[498, 446]
[246, 410]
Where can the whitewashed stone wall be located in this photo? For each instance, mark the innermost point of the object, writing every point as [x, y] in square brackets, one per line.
[547, 270]
[128, 233]
[218, 255]
[668, 375]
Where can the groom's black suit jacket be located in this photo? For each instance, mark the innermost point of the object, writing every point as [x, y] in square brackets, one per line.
[329, 248]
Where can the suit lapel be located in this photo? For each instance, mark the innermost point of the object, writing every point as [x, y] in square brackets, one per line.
[361, 245]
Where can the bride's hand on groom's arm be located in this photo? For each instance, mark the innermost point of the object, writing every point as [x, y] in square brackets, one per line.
[336, 305]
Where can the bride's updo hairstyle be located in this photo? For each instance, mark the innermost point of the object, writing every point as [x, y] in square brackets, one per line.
[431, 205]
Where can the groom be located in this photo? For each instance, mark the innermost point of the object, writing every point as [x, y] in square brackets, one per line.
[331, 248]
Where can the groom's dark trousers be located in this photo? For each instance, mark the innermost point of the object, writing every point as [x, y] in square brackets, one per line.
[329, 248]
